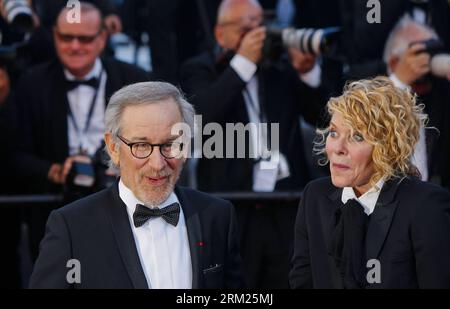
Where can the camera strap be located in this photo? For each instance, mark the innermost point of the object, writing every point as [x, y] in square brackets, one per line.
[82, 133]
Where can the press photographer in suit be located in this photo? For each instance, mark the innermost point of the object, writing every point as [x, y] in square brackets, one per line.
[59, 107]
[236, 85]
[144, 231]
[410, 55]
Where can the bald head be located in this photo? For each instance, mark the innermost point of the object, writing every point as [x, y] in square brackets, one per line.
[79, 44]
[86, 9]
[228, 9]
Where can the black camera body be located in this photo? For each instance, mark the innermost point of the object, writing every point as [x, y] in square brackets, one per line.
[86, 178]
[440, 61]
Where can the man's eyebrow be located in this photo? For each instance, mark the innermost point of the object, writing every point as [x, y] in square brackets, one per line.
[138, 139]
[144, 139]
[173, 138]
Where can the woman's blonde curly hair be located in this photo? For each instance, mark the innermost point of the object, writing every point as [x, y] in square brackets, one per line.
[389, 118]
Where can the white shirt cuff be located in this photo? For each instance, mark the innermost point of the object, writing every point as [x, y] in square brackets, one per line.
[243, 67]
[398, 83]
[313, 77]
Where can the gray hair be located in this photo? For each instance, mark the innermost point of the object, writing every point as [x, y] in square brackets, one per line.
[143, 94]
[400, 38]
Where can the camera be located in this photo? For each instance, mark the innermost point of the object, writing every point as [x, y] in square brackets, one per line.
[7, 55]
[440, 62]
[88, 175]
[19, 14]
[307, 40]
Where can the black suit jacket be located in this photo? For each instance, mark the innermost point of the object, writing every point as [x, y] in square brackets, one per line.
[40, 112]
[437, 107]
[97, 232]
[216, 91]
[409, 233]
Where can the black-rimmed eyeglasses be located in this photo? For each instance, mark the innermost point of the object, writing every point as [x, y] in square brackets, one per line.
[143, 150]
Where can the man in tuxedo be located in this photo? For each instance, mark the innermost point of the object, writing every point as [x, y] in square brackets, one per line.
[59, 107]
[408, 63]
[236, 85]
[143, 232]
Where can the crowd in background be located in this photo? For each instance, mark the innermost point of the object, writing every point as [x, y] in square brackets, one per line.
[213, 52]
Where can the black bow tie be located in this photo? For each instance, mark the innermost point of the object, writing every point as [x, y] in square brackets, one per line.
[170, 213]
[72, 84]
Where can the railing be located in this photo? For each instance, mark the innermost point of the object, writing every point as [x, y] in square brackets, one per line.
[247, 197]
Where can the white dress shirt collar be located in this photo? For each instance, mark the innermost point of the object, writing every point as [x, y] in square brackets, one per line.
[163, 249]
[368, 200]
[95, 72]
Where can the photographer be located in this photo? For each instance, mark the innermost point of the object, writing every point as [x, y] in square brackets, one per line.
[59, 107]
[11, 65]
[409, 52]
[233, 86]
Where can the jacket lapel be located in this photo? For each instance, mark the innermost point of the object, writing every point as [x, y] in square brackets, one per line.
[113, 83]
[59, 111]
[381, 219]
[194, 231]
[328, 209]
[120, 225]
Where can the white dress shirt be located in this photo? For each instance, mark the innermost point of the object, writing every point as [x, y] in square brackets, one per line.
[420, 157]
[264, 179]
[163, 249]
[80, 100]
[368, 200]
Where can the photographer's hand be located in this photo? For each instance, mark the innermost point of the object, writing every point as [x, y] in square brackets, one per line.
[252, 44]
[412, 65]
[5, 85]
[113, 24]
[68, 165]
[54, 174]
[302, 62]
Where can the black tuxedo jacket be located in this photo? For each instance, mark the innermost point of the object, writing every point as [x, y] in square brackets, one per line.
[40, 112]
[216, 91]
[96, 231]
[437, 107]
[409, 233]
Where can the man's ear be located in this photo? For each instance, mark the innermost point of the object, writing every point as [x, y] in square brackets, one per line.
[218, 32]
[104, 38]
[392, 64]
[113, 149]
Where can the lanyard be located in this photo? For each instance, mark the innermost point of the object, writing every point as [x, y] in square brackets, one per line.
[256, 108]
[82, 134]
[258, 111]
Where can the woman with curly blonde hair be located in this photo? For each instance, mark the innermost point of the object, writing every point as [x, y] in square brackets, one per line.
[373, 223]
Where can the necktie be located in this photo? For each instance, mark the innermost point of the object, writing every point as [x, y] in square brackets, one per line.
[171, 214]
[72, 84]
[348, 244]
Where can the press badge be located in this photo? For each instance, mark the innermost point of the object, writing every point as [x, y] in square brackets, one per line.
[267, 173]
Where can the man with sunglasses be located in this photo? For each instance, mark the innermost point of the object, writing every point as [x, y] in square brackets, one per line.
[143, 232]
[60, 107]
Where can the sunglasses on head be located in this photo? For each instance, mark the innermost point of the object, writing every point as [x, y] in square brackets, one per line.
[83, 39]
